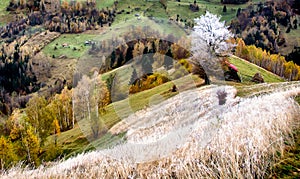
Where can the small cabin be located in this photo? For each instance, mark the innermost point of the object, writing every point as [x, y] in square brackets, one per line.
[89, 42]
[65, 45]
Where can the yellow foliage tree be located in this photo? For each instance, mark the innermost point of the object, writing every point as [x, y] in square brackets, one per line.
[7, 155]
[138, 50]
[56, 129]
[271, 62]
[39, 117]
[31, 143]
[288, 69]
[14, 126]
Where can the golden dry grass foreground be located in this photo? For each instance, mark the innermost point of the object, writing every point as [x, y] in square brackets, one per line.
[240, 139]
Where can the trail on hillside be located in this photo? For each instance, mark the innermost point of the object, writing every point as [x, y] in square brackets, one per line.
[192, 135]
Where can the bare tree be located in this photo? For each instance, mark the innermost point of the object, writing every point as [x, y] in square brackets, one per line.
[209, 41]
[90, 98]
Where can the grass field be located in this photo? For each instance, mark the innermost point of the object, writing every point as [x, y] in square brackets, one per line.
[104, 3]
[73, 41]
[257, 129]
[292, 39]
[174, 8]
[116, 30]
[4, 16]
[100, 3]
[248, 70]
[289, 165]
[74, 140]
[3, 5]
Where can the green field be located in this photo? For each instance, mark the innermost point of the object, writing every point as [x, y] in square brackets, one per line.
[3, 5]
[4, 18]
[248, 70]
[77, 41]
[73, 41]
[100, 3]
[174, 8]
[104, 3]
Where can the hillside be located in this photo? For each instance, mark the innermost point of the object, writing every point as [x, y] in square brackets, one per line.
[200, 138]
[137, 89]
[72, 140]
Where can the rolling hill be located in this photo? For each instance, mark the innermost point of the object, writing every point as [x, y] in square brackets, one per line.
[243, 137]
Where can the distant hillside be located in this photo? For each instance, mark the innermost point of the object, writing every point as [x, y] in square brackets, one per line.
[271, 25]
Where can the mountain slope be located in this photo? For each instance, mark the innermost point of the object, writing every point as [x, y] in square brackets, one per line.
[241, 138]
[69, 140]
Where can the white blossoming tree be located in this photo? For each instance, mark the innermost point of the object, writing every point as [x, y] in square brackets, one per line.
[209, 40]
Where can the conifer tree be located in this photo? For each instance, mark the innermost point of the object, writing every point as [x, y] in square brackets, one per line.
[134, 77]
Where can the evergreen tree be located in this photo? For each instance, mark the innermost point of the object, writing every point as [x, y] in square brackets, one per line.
[224, 9]
[134, 77]
[147, 65]
[238, 12]
[129, 55]
[168, 60]
[113, 59]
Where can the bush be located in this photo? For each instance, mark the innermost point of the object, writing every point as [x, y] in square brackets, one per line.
[148, 82]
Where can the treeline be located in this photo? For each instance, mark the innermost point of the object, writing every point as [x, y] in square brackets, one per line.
[274, 63]
[66, 18]
[134, 45]
[259, 24]
[15, 68]
[25, 134]
[18, 72]
[79, 17]
[17, 78]
[234, 1]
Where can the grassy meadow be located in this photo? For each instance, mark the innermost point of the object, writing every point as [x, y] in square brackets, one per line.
[76, 47]
[247, 70]
[174, 8]
[4, 16]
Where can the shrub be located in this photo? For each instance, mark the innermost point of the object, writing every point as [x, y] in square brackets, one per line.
[147, 82]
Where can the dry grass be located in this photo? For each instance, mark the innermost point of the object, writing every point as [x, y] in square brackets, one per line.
[240, 139]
